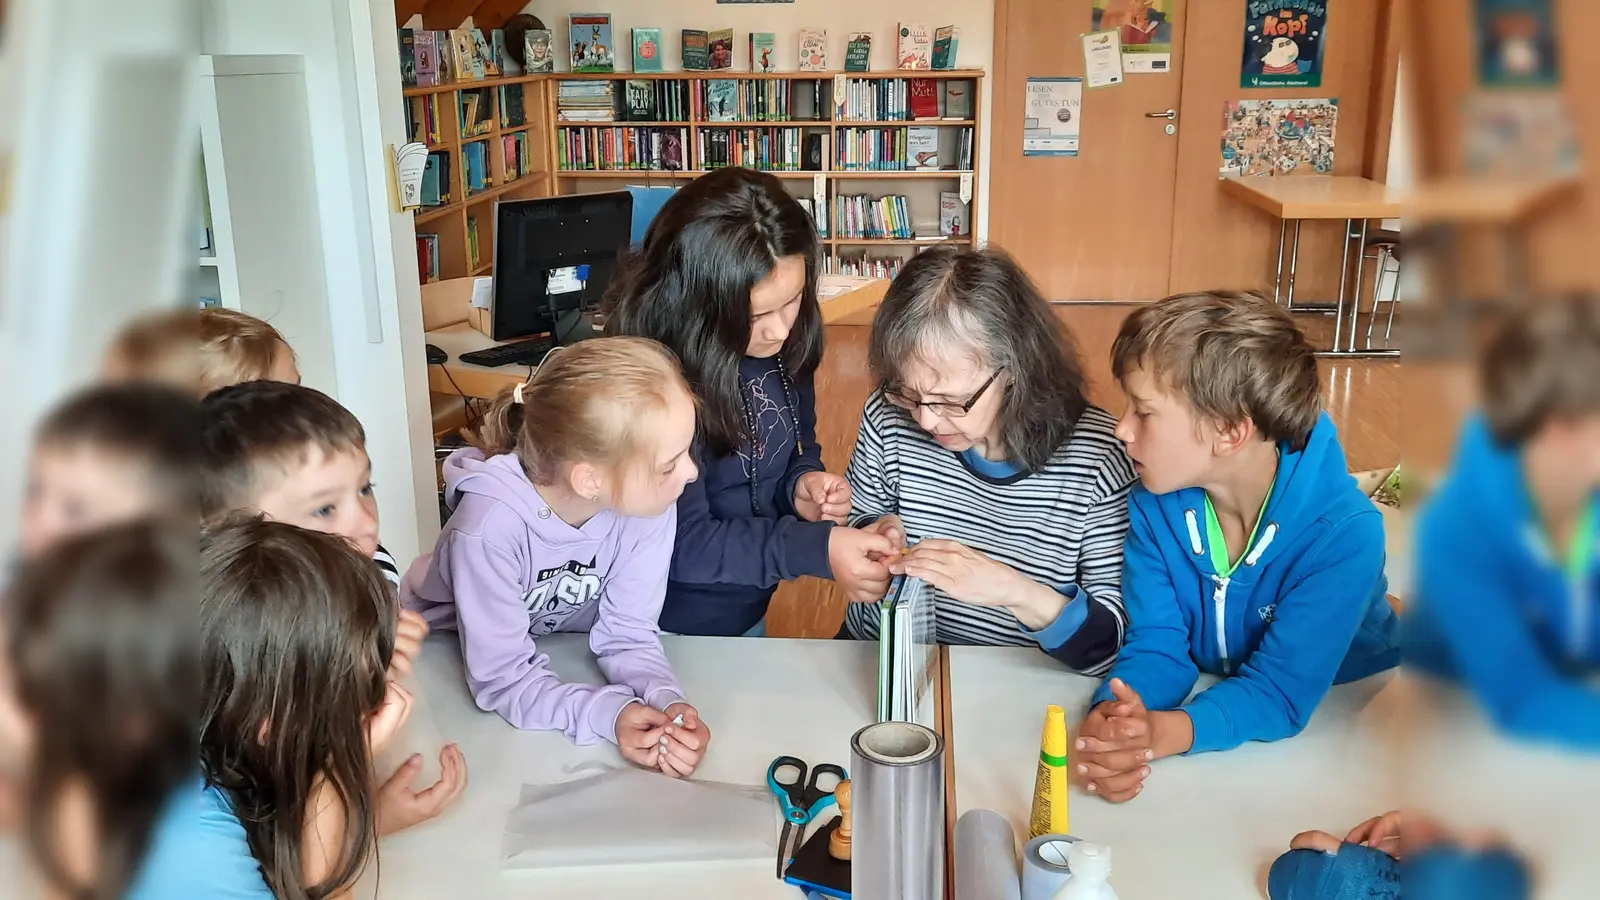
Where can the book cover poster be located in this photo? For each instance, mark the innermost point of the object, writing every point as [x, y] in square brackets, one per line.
[1054, 110]
[592, 50]
[537, 51]
[1145, 28]
[1283, 43]
[1279, 137]
[1516, 43]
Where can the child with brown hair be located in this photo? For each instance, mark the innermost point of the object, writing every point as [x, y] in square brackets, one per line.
[1508, 548]
[1252, 554]
[296, 633]
[563, 520]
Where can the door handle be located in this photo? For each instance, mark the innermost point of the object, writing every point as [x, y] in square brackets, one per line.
[1169, 114]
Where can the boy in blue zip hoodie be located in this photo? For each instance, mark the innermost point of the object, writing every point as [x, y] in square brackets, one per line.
[1508, 548]
[1252, 555]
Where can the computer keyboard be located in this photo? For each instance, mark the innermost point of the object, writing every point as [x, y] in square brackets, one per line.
[518, 353]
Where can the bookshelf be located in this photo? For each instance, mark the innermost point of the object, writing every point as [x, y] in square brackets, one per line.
[786, 123]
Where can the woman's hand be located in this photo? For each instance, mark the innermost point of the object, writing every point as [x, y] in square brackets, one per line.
[822, 496]
[964, 573]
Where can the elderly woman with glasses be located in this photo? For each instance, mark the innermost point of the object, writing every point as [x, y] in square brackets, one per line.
[981, 453]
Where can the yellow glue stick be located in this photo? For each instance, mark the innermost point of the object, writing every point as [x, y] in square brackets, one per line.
[1049, 814]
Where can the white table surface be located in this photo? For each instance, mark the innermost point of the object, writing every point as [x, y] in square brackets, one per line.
[1205, 827]
[762, 698]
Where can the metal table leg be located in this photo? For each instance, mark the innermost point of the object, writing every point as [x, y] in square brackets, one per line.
[1294, 262]
[1277, 283]
[1344, 276]
[1355, 308]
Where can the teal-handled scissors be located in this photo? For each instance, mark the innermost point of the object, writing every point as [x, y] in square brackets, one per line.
[801, 798]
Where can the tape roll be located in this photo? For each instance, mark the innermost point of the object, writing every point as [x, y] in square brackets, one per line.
[986, 857]
[1044, 866]
[898, 794]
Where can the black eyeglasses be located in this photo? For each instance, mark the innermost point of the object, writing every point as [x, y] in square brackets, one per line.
[940, 408]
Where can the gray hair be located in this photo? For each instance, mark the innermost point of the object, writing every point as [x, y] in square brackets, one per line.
[982, 302]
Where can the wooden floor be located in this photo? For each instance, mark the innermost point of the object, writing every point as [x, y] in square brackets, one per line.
[1363, 397]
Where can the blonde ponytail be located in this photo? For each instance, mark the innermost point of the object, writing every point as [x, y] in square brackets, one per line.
[591, 402]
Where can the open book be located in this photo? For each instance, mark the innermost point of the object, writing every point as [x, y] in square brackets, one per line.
[907, 652]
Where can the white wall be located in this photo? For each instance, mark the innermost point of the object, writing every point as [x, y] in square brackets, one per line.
[96, 222]
[375, 307]
[975, 18]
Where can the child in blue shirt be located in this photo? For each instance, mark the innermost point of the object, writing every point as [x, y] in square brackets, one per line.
[1252, 555]
[1508, 548]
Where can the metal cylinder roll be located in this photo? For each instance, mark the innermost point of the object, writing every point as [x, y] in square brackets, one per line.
[898, 789]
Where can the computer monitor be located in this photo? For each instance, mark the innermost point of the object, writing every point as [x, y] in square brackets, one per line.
[553, 260]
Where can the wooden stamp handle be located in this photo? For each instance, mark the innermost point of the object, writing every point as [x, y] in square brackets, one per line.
[839, 841]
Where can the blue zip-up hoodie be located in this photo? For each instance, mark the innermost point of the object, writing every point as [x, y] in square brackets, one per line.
[1495, 606]
[1307, 607]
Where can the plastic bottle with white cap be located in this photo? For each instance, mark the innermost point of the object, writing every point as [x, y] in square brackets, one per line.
[1090, 865]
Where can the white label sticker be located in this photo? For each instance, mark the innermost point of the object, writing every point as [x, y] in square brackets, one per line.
[966, 187]
[482, 290]
[564, 281]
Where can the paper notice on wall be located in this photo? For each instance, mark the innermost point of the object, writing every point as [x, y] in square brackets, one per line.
[1145, 29]
[1053, 110]
[1102, 59]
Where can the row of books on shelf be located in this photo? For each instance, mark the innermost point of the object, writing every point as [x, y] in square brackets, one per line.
[431, 57]
[717, 100]
[817, 213]
[428, 258]
[763, 100]
[910, 99]
[477, 113]
[873, 218]
[864, 266]
[915, 149]
[437, 180]
[517, 155]
[631, 148]
[769, 149]
[865, 217]
[479, 178]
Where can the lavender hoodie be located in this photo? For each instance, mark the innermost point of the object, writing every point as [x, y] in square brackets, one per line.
[507, 570]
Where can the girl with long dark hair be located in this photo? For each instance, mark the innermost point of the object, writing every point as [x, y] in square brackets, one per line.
[727, 279]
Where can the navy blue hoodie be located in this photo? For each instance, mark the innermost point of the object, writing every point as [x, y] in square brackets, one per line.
[1307, 607]
[1496, 608]
[728, 559]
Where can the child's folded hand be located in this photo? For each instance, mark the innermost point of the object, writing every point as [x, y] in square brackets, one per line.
[683, 746]
[640, 729]
[399, 806]
[408, 636]
[820, 496]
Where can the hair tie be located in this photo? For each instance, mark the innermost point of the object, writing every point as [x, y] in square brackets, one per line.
[516, 393]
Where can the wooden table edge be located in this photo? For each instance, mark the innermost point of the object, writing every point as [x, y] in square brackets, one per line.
[946, 723]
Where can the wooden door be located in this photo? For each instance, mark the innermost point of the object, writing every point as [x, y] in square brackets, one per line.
[1097, 226]
[1220, 243]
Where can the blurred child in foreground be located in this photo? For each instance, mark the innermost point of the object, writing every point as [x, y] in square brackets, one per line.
[1508, 550]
